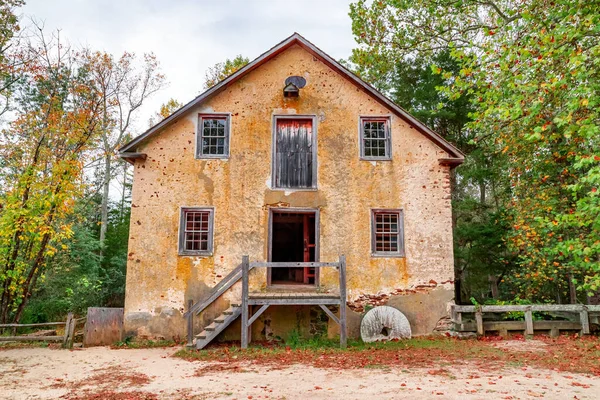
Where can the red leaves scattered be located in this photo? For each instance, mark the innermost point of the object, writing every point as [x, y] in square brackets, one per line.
[110, 395]
[583, 385]
[561, 354]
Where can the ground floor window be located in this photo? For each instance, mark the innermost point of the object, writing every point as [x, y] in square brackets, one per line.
[387, 232]
[196, 231]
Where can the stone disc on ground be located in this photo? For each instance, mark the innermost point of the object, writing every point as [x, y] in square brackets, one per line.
[384, 323]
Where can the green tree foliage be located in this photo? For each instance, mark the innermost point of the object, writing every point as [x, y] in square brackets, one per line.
[11, 56]
[43, 149]
[166, 110]
[222, 70]
[531, 71]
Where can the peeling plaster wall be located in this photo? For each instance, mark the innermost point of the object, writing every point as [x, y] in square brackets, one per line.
[159, 281]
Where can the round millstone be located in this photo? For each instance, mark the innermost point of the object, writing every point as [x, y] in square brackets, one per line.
[384, 323]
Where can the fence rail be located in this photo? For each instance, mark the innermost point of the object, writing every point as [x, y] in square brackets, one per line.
[528, 325]
[67, 338]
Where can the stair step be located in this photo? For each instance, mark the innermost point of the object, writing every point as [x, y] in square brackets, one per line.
[211, 327]
[217, 326]
[202, 335]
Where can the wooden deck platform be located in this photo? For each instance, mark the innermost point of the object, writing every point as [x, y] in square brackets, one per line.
[293, 295]
[293, 298]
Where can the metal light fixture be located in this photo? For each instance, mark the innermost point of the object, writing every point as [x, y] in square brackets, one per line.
[291, 90]
[292, 87]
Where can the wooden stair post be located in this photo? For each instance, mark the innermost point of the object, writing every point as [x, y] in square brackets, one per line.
[190, 325]
[343, 330]
[245, 269]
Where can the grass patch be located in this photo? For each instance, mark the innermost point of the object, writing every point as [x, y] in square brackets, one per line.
[144, 344]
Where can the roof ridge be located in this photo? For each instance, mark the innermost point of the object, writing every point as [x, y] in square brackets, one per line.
[332, 63]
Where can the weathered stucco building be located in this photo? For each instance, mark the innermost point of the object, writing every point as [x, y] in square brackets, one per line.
[292, 158]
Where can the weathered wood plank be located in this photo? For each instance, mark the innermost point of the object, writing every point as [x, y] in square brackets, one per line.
[71, 335]
[32, 338]
[330, 314]
[245, 270]
[104, 326]
[479, 320]
[520, 326]
[261, 264]
[585, 322]
[31, 325]
[190, 324]
[528, 321]
[233, 277]
[343, 298]
[294, 302]
[522, 308]
[257, 314]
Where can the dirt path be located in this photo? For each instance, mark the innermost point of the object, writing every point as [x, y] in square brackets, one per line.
[148, 374]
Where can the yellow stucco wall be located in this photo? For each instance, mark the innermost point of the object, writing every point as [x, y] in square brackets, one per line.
[159, 281]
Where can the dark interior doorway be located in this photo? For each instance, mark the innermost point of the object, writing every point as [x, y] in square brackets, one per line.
[293, 240]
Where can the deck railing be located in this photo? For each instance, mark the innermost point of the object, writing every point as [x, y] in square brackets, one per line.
[293, 300]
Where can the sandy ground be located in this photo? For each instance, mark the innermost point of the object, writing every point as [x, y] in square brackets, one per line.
[42, 373]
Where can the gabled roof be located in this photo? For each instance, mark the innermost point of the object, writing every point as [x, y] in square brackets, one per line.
[456, 154]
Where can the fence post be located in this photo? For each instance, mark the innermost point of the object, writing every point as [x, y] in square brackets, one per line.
[190, 325]
[68, 333]
[585, 321]
[528, 321]
[343, 328]
[479, 320]
[245, 269]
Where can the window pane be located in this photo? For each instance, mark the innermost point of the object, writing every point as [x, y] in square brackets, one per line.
[213, 136]
[386, 232]
[196, 230]
[375, 139]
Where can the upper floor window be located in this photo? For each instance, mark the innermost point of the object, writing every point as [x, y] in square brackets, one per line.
[213, 136]
[196, 231]
[294, 153]
[375, 143]
[387, 233]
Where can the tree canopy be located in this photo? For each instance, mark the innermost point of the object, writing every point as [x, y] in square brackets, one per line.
[222, 70]
[530, 71]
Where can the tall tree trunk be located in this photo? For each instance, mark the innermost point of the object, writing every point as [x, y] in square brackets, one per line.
[482, 192]
[572, 290]
[122, 210]
[105, 193]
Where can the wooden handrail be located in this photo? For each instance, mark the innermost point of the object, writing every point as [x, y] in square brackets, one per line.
[264, 264]
[216, 292]
[32, 325]
[523, 308]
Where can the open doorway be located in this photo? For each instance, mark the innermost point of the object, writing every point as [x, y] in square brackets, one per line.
[293, 239]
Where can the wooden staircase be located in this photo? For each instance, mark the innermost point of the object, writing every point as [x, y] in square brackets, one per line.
[219, 324]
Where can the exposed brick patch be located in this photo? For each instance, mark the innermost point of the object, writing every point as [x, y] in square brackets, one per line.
[381, 299]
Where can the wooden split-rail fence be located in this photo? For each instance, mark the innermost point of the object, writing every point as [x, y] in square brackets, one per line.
[67, 338]
[580, 320]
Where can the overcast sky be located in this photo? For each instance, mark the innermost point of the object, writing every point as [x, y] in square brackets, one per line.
[189, 36]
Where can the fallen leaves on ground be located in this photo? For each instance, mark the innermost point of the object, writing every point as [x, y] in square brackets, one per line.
[561, 354]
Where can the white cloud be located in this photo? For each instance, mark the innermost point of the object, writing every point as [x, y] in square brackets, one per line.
[190, 36]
